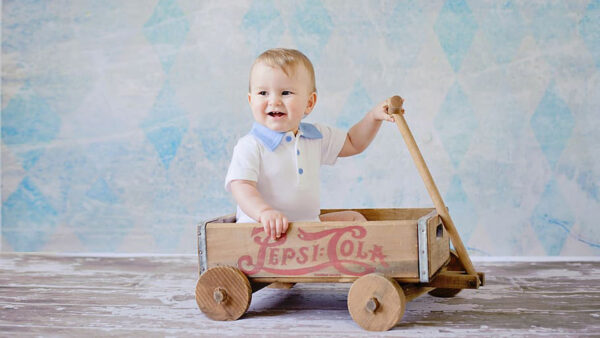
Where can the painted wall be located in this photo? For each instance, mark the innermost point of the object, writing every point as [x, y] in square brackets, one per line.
[119, 117]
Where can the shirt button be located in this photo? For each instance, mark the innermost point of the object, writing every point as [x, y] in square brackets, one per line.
[298, 152]
[288, 138]
[300, 171]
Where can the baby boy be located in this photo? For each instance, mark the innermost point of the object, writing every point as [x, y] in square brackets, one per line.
[274, 171]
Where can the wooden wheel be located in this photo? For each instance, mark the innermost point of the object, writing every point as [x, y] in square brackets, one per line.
[453, 265]
[375, 302]
[223, 293]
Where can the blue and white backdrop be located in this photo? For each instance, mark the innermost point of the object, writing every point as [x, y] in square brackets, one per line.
[119, 117]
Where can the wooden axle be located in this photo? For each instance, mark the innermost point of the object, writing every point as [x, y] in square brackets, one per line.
[376, 302]
[223, 293]
[444, 279]
[220, 295]
[372, 305]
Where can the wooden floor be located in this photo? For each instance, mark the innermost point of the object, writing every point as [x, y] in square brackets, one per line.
[154, 296]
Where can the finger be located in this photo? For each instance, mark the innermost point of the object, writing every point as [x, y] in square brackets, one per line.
[387, 117]
[273, 225]
[266, 228]
[285, 225]
[278, 227]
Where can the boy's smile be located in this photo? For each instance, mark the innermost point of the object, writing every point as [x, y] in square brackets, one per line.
[276, 114]
[278, 101]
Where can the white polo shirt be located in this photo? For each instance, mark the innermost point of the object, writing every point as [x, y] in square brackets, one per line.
[286, 167]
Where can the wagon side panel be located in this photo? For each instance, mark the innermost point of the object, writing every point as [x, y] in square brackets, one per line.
[438, 243]
[328, 251]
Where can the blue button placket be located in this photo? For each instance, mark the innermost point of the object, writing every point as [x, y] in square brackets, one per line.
[300, 174]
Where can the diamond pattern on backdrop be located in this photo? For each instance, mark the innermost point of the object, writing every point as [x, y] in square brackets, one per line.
[354, 110]
[552, 23]
[589, 28]
[311, 27]
[167, 211]
[28, 123]
[455, 28]
[100, 220]
[589, 184]
[552, 219]
[28, 219]
[166, 125]
[166, 30]
[405, 32]
[455, 123]
[497, 50]
[101, 191]
[552, 124]
[214, 144]
[504, 28]
[263, 25]
[462, 210]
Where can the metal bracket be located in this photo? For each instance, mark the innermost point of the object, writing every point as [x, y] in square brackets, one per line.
[423, 249]
[202, 247]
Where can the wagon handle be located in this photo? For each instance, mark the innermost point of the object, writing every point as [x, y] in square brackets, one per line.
[395, 107]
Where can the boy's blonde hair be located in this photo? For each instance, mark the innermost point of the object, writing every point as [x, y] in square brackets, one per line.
[287, 60]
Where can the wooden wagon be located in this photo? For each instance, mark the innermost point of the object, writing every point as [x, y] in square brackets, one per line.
[393, 257]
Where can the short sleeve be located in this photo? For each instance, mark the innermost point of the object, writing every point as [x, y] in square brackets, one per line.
[245, 162]
[332, 143]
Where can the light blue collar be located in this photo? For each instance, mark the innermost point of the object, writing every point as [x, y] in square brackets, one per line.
[271, 139]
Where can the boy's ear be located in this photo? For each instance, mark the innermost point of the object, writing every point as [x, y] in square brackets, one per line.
[312, 101]
[249, 98]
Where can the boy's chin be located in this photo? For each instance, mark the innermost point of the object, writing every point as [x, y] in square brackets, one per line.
[278, 128]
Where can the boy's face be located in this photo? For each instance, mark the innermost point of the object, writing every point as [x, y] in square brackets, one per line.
[279, 102]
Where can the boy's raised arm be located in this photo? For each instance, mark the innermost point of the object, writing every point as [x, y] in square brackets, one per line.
[362, 133]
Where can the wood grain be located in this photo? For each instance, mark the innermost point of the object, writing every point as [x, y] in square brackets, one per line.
[230, 243]
[438, 244]
[387, 214]
[329, 251]
[395, 105]
[223, 293]
[376, 302]
[49, 295]
[454, 264]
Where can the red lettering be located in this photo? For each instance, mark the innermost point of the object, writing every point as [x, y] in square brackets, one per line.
[273, 256]
[340, 246]
[339, 264]
[377, 253]
[288, 253]
[359, 253]
[347, 248]
[315, 252]
[246, 261]
[304, 258]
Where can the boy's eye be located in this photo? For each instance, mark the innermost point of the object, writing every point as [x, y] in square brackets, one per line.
[286, 92]
[262, 92]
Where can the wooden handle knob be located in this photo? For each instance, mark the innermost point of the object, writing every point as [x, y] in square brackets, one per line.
[395, 105]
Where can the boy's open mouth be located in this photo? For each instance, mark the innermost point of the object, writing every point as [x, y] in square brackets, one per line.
[276, 114]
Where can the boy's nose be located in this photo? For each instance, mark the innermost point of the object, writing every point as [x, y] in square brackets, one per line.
[275, 100]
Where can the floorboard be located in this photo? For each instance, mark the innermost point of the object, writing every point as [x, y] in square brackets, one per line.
[50, 295]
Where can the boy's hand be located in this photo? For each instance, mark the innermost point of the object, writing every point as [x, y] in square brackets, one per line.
[274, 223]
[380, 112]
